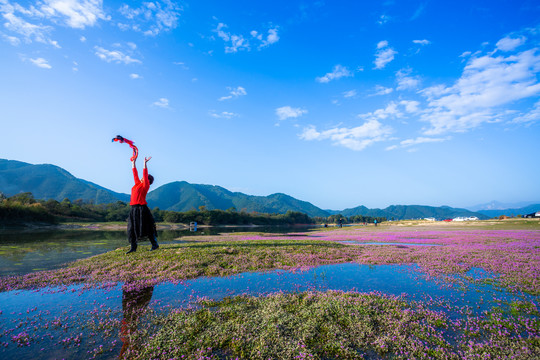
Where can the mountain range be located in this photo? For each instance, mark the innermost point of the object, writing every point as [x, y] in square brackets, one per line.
[47, 181]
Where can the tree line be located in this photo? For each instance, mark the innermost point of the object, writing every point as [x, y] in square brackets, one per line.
[24, 207]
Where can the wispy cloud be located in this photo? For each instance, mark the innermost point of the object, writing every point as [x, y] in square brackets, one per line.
[509, 43]
[488, 84]
[41, 62]
[418, 12]
[421, 42]
[406, 81]
[75, 14]
[235, 42]
[115, 56]
[181, 64]
[151, 18]
[135, 76]
[349, 94]
[530, 116]
[271, 38]
[356, 138]
[381, 90]
[234, 93]
[286, 112]
[162, 103]
[21, 28]
[383, 19]
[384, 55]
[419, 140]
[222, 115]
[338, 72]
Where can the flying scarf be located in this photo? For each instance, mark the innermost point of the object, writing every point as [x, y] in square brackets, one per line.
[120, 139]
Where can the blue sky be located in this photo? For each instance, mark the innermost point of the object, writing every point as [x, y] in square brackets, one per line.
[337, 103]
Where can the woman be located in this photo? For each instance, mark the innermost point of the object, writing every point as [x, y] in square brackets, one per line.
[141, 222]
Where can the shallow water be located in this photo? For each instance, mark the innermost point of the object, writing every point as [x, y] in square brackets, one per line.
[22, 252]
[74, 322]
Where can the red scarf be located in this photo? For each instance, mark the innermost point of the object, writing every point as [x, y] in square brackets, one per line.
[120, 139]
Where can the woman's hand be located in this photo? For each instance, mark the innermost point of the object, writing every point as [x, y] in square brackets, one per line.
[146, 159]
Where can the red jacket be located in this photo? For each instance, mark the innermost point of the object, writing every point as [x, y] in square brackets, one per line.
[138, 192]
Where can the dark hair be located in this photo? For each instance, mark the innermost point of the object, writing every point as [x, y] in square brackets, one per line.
[150, 179]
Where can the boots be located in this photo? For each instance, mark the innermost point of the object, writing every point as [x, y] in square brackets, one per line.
[133, 248]
[153, 241]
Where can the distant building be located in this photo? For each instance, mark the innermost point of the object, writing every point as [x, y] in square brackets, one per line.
[533, 215]
[430, 219]
[462, 218]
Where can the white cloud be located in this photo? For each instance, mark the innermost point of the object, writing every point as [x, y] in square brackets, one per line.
[115, 56]
[235, 43]
[421, 42]
[286, 112]
[135, 76]
[271, 38]
[405, 81]
[529, 117]
[41, 62]
[222, 115]
[181, 64]
[382, 44]
[19, 26]
[384, 55]
[418, 140]
[383, 19]
[411, 106]
[152, 17]
[349, 94]
[82, 39]
[338, 72]
[76, 14]
[487, 84]
[356, 138]
[234, 93]
[509, 44]
[381, 90]
[390, 111]
[162, 103]
[12, 39]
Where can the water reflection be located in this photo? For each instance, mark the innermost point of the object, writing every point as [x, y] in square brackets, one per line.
[73, 322]
[134, 303]
[23, 252]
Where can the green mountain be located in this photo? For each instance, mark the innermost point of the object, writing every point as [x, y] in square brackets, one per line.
[51, 182]
[183, 196]
[399, 212]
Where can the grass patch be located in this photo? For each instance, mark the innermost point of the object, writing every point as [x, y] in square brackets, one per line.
[331, 325]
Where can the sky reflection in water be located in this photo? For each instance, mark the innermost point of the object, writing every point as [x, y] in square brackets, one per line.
[57, 319]
[22, 252]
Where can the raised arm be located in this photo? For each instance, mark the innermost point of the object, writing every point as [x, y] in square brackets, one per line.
[145, 170]
[146, 159]
[135, 172]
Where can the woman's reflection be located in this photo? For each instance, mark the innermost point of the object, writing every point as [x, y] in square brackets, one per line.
[134, 303]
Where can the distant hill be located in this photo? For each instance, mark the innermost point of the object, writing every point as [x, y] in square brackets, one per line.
[51, 182]
[496, 205]
[399, 212]
[183, 196]
[509, 212]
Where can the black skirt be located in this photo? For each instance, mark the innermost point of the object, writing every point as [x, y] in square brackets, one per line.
[141, 224]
